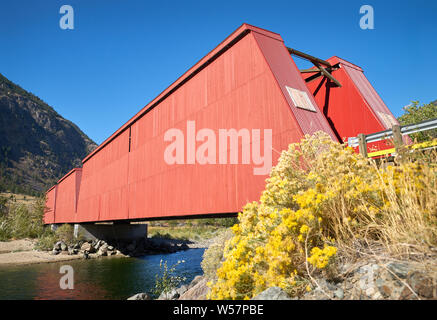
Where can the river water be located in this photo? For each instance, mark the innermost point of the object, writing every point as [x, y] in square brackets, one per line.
[104, 278]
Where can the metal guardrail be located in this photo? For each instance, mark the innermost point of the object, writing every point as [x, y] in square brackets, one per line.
[396, 133]
[387, 134]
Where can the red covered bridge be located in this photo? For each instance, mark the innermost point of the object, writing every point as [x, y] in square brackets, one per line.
[249, 81]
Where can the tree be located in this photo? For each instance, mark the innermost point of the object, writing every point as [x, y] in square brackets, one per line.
[415, 114]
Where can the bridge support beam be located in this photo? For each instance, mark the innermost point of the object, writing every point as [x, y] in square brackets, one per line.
[116, 231]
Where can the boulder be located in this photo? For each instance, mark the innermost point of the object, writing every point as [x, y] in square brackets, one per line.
[98, 244]
[64, 247]
[182, 289]
[140, 296]
[172, 295]
[198, 291]
[272, 293]
[103, 250]
[72, 251]
[399, 269]
[195, 281]
[87, 247]
[57, 245]
[422, 284]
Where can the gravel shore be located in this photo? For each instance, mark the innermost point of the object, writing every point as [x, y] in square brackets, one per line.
[21, 252]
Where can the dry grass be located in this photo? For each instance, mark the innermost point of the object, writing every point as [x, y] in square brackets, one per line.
[405, 231]
[407, 224]
[19, 198]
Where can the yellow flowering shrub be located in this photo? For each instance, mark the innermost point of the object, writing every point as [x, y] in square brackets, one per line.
[320, 257]
[319, 196]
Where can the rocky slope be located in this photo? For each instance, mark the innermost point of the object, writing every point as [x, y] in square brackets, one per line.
[376, 280]
[372, 280]
[37, 145]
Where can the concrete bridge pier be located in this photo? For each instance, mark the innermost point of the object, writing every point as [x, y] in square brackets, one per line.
[114, 231]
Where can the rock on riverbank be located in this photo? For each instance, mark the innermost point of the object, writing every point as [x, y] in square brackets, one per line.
[130, 248]
[196, 290]
[20, 252]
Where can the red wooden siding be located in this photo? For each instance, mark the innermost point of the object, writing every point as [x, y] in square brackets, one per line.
[49, 210]
[237, 90]
[103, 194]
[66, 196]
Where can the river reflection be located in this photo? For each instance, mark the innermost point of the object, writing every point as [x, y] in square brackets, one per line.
[105, 278]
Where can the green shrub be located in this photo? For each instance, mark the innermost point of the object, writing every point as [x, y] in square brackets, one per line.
[415, 114]
[24, 222]
[166, 279]
[5, 230]
[227, 222]
[65, 233]
[46, 240]
[21, 221]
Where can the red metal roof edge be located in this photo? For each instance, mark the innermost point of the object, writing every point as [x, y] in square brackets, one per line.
[278, 85]
[334, 60]
[217, 50]
[51, 188]
[69, 173]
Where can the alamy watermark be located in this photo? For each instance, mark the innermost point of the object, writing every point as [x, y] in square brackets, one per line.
[212, 150]
[67, 280]
[367, 21]
[67, 20]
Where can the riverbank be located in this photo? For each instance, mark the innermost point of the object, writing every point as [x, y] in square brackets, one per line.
[22, 252]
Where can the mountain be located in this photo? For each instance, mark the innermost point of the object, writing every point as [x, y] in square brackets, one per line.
[37, 145]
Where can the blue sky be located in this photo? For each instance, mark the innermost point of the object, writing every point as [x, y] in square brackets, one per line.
[122, 54]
